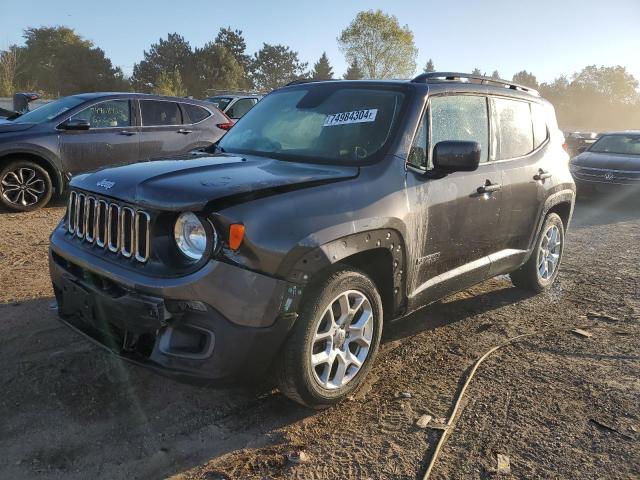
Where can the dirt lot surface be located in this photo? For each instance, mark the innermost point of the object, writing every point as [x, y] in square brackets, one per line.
[558, 404]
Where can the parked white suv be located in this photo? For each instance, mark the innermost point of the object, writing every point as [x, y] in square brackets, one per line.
[235, 105]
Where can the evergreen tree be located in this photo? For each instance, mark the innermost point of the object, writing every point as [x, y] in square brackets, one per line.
[322, 69]
[353, 72]
[429, 67]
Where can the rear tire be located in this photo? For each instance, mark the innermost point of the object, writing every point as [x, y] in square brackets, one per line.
[334, 341]
[24, 186]
[542, 268]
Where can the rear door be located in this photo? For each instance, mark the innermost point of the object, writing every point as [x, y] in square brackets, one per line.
[521, 144]
[111, 139]
[162, 130]
[460, 221]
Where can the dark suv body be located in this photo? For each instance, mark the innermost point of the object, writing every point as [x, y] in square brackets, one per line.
[329, 209]
[41, 149]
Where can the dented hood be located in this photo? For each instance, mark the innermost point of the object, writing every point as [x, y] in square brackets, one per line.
[190, 183]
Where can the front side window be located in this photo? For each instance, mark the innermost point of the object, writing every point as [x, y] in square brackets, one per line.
[515, 129]
[242, 106]
[461, 118]
[319, 123]
[617, 144]
[158, 113]
[112, 113]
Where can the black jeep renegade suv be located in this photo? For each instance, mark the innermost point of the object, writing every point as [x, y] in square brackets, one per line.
[330, 209]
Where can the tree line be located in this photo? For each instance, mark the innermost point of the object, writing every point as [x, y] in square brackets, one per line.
[57, 61]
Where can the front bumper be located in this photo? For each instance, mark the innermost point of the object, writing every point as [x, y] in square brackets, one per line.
[218, 323]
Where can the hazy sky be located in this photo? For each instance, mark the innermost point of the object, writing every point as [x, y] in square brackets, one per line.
[548, 37]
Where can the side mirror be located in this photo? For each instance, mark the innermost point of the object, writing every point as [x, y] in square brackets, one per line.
[76, 124]
[456, 156]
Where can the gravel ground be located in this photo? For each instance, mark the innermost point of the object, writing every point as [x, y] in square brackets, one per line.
[557, 404]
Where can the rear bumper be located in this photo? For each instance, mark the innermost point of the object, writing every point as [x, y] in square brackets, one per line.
[185, 328]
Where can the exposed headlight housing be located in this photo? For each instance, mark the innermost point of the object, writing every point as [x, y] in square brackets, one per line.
[191, 237]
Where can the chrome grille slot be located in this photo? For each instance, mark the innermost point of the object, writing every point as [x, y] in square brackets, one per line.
[101, 223]
[90, 219]
[107, 225]
[71, 212]
[127, 232]
[80, 225]
[142, 222]
[113, 227]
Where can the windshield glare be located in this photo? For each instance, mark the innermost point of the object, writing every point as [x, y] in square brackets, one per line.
[49, 111]
[318, 124]
[619, 144]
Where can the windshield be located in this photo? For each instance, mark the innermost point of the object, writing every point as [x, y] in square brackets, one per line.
[619, 144]
[49, 111]
[220, 102]
[319, 123]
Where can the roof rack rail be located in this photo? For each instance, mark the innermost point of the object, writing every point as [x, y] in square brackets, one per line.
[305, 80]
[217, 91]
[436, 77]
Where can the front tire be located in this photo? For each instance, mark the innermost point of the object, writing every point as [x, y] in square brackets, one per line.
[334, 341]
[24, 186]
[541, 270]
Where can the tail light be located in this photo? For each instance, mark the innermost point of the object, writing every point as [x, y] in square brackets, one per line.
[225, 126]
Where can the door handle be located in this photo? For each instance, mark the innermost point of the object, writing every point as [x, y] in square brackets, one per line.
[542, 175]
[128, 133]
[489, 187]
[184, 131]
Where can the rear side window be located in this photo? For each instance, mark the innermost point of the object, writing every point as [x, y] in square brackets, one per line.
[515, 129]
[460, 117]
[195, 113]
[156, 113]
[112, 113]
[540, 130]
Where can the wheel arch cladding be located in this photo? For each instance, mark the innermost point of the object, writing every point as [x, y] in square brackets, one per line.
[54, 174]
[378, 253]
[563, 209]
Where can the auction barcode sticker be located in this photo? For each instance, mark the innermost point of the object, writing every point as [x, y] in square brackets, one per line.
[344, 118]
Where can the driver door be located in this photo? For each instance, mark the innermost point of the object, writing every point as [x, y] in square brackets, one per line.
[456, 224]
[112, 137]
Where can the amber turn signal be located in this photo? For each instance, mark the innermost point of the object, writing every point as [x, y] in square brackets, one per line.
[236, 235]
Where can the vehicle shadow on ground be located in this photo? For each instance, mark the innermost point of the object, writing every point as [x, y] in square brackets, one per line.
[56, 202]
[605, 209]
[454, 309]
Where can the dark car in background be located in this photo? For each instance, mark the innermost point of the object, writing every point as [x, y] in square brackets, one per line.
[610, 164]
[578, 142]
[42, 149]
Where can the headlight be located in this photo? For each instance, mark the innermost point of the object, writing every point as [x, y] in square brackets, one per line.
[191, 236]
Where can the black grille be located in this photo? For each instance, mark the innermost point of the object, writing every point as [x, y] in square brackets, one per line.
[104, 224]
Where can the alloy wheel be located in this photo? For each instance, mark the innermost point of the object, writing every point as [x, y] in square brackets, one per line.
[342, 340]
[23, 187]
[549, 252]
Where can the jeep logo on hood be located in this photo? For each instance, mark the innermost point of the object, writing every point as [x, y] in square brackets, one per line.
[105, 184]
